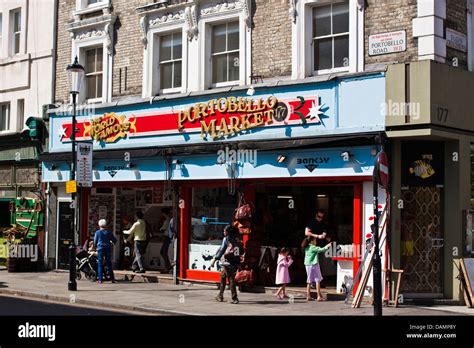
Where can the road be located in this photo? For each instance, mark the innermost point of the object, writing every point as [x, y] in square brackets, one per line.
[10, 305]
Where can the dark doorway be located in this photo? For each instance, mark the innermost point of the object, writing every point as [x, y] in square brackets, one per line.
[4, 214]
[283, 213]
[65, 234]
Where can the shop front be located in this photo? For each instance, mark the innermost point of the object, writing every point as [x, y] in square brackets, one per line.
[289, 149]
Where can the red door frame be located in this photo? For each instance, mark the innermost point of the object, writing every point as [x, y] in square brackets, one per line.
[249, 192]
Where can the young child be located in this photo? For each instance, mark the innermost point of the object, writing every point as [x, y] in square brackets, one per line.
[282, 274]
[311, 263]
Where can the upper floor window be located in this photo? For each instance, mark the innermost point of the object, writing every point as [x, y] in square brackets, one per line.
[4, 117]
[94, 73]
[85, 6]
[16, 31]
[171, 53]
[225, 52]
[91, 2]
[1, 32]
[331, 36]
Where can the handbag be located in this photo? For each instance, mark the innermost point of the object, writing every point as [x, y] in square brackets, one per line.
[244, 277]
[244, 211]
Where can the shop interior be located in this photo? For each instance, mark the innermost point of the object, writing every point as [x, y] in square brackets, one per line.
[118, 206]
[282, 215]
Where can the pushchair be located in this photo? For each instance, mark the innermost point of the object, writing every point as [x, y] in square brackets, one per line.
[87, 263]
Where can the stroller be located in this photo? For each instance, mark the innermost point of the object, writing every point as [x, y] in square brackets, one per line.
[87, 263]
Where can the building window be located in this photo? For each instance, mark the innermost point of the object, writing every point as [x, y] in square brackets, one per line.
[1, 33]
[331, 36]
[94, 73]
[225, 52]
[4, 117]
[20, 110]
[16, 31]
[92, 2]
[171, 61]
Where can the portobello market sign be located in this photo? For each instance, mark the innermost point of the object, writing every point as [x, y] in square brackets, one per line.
[215, 119]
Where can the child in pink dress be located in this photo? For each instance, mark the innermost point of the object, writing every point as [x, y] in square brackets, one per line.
[282, 273]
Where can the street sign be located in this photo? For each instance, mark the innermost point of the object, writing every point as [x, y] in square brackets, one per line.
[71, 186]
[381, 166]
[84, 164]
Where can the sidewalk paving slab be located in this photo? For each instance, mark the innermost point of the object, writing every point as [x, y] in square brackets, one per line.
[195, 299]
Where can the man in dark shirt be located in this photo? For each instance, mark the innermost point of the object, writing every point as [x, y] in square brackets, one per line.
[316, 227]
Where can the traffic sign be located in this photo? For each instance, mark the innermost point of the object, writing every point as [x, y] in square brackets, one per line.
[84, 164]
[381, 168]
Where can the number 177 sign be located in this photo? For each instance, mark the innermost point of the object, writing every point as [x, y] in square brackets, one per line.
[84, 164]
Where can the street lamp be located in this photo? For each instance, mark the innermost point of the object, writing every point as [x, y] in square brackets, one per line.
[75, 75]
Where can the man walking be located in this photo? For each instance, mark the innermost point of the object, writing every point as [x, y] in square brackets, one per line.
[138, 234]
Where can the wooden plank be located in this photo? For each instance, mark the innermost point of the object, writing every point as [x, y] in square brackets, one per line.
[367, 269]
[467, 268]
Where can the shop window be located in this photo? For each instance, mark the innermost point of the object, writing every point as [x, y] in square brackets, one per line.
[94, 73]
[4, 117]
[170, 61]
[1, 33]
[16, 31]
[20, 112]
[225, 52]
[211, 211]
[331, 36]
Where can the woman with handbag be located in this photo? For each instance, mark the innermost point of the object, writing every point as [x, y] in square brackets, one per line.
[229, 257]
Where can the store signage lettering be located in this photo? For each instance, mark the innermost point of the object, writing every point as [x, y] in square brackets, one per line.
[248, 115]
[315, 160]
[312, 163]
[214, 119]
[113, 169]
[456, 40]
[387, 43]
[109, 128]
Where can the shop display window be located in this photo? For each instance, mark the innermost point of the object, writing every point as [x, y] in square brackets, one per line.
[211, 211]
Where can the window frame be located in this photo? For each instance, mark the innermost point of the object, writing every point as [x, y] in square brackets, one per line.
[13, 33]
[83, 6]
[1, 33]
[95, 73]
[470, 35]
[302, 39]
[20, 114]
[8, 121]
[151, 71]
[332, 36]
[159, 37]
[205, 27]
[226, 52]
[79, 47]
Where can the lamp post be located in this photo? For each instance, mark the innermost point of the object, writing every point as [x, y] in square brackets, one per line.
[75, 75]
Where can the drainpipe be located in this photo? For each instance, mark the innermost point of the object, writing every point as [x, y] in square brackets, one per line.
[46, 225]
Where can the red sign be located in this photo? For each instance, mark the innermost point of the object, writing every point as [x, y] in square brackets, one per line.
[381, 166]
[215, 119]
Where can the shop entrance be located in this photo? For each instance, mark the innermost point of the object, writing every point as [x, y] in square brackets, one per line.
[283, 212]
[422, 242]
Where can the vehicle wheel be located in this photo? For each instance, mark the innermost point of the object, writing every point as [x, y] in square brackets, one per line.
[78, 275]
[92, 276]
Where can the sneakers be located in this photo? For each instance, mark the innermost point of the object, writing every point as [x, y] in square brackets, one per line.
[219, 299]
[99, 282]
[235, 301]
[140, 271]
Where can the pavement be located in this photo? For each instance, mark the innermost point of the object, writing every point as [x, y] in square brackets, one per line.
[161, 298]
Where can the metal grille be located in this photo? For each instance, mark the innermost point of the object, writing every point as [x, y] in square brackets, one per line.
[5, 176]
[27, 176]
[423, 265]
